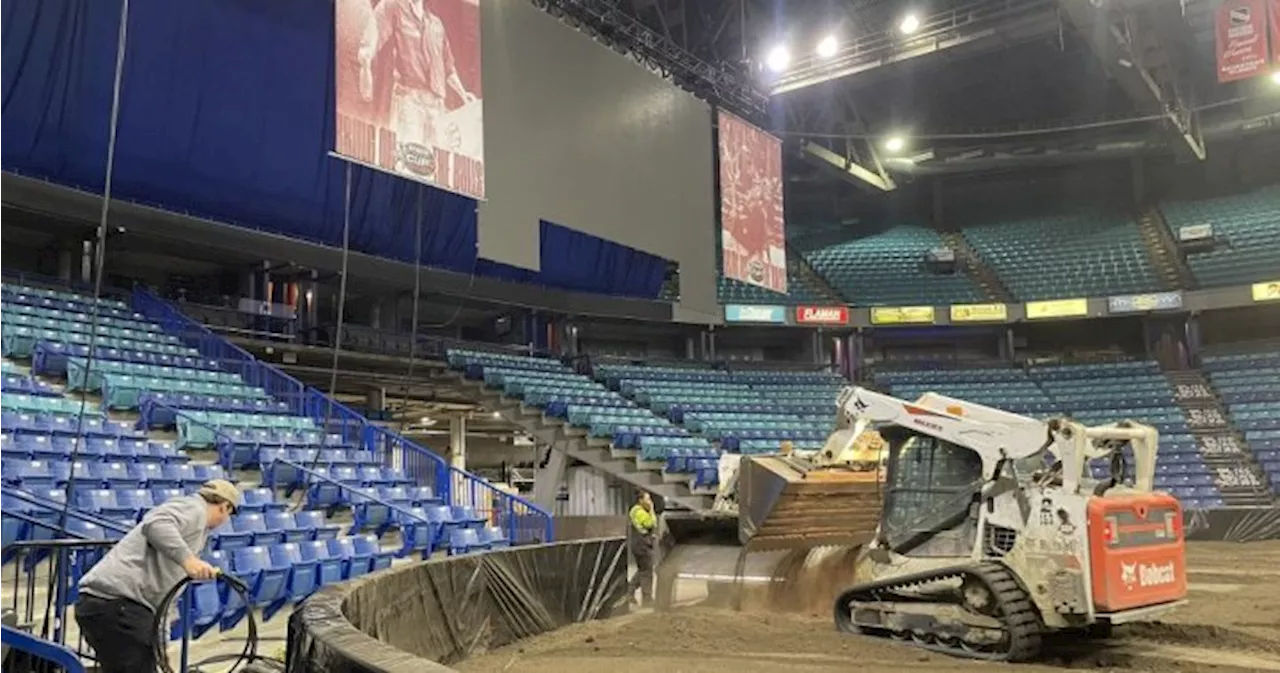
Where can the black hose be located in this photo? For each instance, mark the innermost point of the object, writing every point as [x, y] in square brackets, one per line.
[248, 654]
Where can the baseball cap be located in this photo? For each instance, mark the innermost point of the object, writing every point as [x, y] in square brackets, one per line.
[222, 489]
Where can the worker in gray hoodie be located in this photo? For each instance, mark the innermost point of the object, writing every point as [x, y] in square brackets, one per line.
[119, 595]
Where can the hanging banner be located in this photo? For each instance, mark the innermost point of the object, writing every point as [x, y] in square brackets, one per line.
[1269, 291]
[1275, 32]
[407, 90]
[822, 315]
[1241, 29]
[1057, 308]
[979, 313]
[901, 315]
[753, 236]
[1157, 301]
[752, 313]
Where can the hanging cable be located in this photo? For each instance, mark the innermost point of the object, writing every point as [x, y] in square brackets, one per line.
[248, 654]
[417, 296]
[337, 330]
[99, 261]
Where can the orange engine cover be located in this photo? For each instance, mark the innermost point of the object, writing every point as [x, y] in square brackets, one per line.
[1137, 552]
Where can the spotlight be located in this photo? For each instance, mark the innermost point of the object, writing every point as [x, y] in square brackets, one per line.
[1275, 78]
[894, 144]
[778, 59]
[910, 24]
[497, 415]
[827, 46]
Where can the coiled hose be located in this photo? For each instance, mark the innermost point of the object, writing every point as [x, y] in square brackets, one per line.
[248, 655]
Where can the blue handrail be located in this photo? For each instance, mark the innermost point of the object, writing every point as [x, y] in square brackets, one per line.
[72, 512]
[360, 491]
[525, 521]
[49, 651]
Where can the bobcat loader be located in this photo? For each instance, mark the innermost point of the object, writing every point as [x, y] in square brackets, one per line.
[981, 533]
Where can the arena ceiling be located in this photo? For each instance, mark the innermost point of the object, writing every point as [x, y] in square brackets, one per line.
[972, 80]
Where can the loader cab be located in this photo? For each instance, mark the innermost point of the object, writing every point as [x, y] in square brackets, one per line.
[930, 487]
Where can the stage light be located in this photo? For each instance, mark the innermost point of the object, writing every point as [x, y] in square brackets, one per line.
[778, 59]
[894, 144]
[827, 46]
[910, 24]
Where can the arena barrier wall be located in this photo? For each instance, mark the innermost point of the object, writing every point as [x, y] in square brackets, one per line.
[1234, 524]
[422, 617]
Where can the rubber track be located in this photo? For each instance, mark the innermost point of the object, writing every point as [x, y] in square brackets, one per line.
[1021, 621]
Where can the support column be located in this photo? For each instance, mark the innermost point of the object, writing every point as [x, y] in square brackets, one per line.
[86, 262]
[65, 262]
[458, 441]
[547, 479]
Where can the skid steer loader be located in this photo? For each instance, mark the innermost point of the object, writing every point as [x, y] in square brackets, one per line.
[982, 532]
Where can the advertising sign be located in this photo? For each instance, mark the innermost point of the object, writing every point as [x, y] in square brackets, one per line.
[753, 236]
[1057, 308]
[752, 313]
[902, 315]
[979, 313]
[1269, 291]
[1241, 30]
[822, 315]
[1157, 301]
[407, 90]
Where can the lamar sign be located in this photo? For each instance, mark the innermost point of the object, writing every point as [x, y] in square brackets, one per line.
[822, 315]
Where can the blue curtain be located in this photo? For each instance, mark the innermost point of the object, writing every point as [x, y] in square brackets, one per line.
[226, 113]
[580, 262]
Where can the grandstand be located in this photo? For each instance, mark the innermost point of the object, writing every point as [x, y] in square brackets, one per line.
[132, 416]
[888, 269]
[1245, 227]
[1066, 255]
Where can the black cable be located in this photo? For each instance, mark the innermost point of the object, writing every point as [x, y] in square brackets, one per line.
[247, 655]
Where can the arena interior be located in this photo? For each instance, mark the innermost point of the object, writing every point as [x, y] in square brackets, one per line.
[443, 285]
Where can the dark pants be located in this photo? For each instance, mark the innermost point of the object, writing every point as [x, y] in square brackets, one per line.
[643, 579]
[120, 631]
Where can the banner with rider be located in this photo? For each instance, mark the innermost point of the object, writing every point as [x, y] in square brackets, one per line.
[753, 234]
[407, 90]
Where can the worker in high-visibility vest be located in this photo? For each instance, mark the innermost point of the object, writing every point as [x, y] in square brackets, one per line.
[641, 533]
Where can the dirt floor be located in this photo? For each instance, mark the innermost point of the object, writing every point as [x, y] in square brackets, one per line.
[1231, 625]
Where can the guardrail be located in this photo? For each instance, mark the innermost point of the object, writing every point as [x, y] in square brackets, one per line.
[45, 651]
[524, 521]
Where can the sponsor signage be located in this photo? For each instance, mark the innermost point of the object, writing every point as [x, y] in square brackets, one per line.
[1241, 37]
[1269, 291]
[822, 315]
[901, 315]
[979, 313]
[750, 313]
[1157, 301]
[1057, 308]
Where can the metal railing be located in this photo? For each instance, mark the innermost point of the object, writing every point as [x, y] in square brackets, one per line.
[45, 651]
[524, 521]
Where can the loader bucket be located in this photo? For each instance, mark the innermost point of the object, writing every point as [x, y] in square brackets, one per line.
[784, 504]
[791, 547]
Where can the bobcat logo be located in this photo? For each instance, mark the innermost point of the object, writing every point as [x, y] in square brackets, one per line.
[859, 405]
[1129, 574]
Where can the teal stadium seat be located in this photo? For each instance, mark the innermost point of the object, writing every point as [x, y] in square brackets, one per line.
[887, 269]
[1062, 256]
[1247, 227]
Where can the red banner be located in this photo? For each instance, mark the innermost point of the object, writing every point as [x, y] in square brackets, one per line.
[407, 89]
[1241, 39]
[752, 231]
[822, 315]
[1275, 32]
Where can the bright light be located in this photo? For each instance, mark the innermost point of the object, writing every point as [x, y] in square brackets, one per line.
[827, 47]
[497, 415]
[778, 59]
[894, 144]
[1275, 78]
[910, 24]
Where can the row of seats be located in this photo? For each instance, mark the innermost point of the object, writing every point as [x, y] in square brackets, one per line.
[800, 290]
[1249, 385]
[1247, 229]
[35, 446]
[35, 474]
[888, 269]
